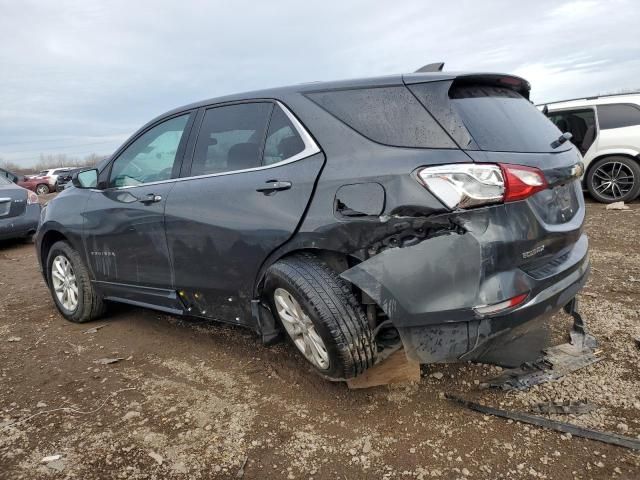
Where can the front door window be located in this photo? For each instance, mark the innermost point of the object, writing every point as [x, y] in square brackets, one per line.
[150, 158]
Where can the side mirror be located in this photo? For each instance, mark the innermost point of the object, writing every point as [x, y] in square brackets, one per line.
[85, 178]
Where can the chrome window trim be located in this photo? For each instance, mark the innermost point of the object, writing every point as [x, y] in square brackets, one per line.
[310, 148]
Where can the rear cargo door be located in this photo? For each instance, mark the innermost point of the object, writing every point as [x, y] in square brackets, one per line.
[492, 120]
[508, 129]
[251, 177]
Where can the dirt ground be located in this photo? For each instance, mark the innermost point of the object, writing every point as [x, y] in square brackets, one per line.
[193, 399]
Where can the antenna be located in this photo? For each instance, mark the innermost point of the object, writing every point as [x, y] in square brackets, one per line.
[431, 67]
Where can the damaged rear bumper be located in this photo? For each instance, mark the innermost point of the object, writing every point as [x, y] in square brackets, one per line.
[429, 292]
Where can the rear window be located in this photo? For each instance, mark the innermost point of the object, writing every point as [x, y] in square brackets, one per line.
[387, 115]
[618, 115]
[502, 120]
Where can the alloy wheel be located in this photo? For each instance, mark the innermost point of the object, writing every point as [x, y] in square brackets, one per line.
[64, 282]
[42, 189]
[613, 180]
[301, 329]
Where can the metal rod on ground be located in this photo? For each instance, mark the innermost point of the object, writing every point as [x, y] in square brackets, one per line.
[610, 438]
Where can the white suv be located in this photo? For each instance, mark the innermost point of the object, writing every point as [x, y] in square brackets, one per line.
[606, 130]
[53, 173]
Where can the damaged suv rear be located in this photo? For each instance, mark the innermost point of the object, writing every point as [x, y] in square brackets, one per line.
[437, 212]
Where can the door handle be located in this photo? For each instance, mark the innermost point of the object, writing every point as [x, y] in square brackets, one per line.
[150, 198]
[273, 186]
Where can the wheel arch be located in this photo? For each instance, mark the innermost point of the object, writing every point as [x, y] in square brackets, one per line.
[337, 261]
[48, 240]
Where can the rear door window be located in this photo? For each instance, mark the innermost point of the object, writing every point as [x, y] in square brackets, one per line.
[618, 115]
[501, 120]
[231, 138]
[387, 115]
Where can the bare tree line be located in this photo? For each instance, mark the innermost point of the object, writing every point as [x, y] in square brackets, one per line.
[619, 91]
[47, 161]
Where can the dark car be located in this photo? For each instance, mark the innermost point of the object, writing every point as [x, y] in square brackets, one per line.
[19, 210]
[64, 179]
[433, 211]
[12, 177]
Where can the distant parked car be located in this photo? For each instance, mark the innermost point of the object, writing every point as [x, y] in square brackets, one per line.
[19, 210]
[64, 179]
[38, 184]
[606, 130]
[53, 174]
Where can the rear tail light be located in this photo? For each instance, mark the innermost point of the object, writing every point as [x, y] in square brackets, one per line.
[522, 182]
[466, 185]
[32, 198]
[499, 307]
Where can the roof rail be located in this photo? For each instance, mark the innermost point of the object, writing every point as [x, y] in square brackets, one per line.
[431, 67]
[596, 97]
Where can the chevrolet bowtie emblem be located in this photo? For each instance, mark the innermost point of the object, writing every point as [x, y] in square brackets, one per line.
[577, 170]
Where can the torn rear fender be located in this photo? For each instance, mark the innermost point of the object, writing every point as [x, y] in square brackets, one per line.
[429, 290]
[417, 285]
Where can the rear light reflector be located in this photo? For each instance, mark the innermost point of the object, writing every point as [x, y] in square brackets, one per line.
[498, 307]
[465, 185]
[32, 198]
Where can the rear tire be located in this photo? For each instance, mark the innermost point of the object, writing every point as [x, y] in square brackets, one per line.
[64, 268]
[42, 189]
[614, 179]
[329, 308]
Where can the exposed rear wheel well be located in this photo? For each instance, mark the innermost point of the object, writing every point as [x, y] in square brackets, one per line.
[340, 262]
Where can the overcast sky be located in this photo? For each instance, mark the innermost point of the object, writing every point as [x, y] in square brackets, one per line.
[78, 77]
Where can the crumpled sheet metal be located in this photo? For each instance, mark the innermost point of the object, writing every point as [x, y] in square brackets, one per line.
[414, 285]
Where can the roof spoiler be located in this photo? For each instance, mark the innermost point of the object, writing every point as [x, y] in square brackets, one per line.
[431, 67]
[512, 82]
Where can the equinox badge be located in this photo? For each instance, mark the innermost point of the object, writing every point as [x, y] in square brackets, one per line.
[535, 251]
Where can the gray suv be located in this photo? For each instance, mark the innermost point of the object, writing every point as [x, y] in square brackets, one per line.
[438, 212]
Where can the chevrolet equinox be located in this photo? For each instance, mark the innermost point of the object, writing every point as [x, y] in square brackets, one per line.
[437, 212]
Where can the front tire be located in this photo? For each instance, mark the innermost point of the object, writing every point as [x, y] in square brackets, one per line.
[321, 315]
[70, 285]
[614, 179]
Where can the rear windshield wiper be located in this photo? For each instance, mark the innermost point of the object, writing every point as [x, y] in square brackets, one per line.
[561, 139]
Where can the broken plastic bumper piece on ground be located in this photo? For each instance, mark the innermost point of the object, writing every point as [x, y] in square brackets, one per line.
[605, 437]
[556, 361]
